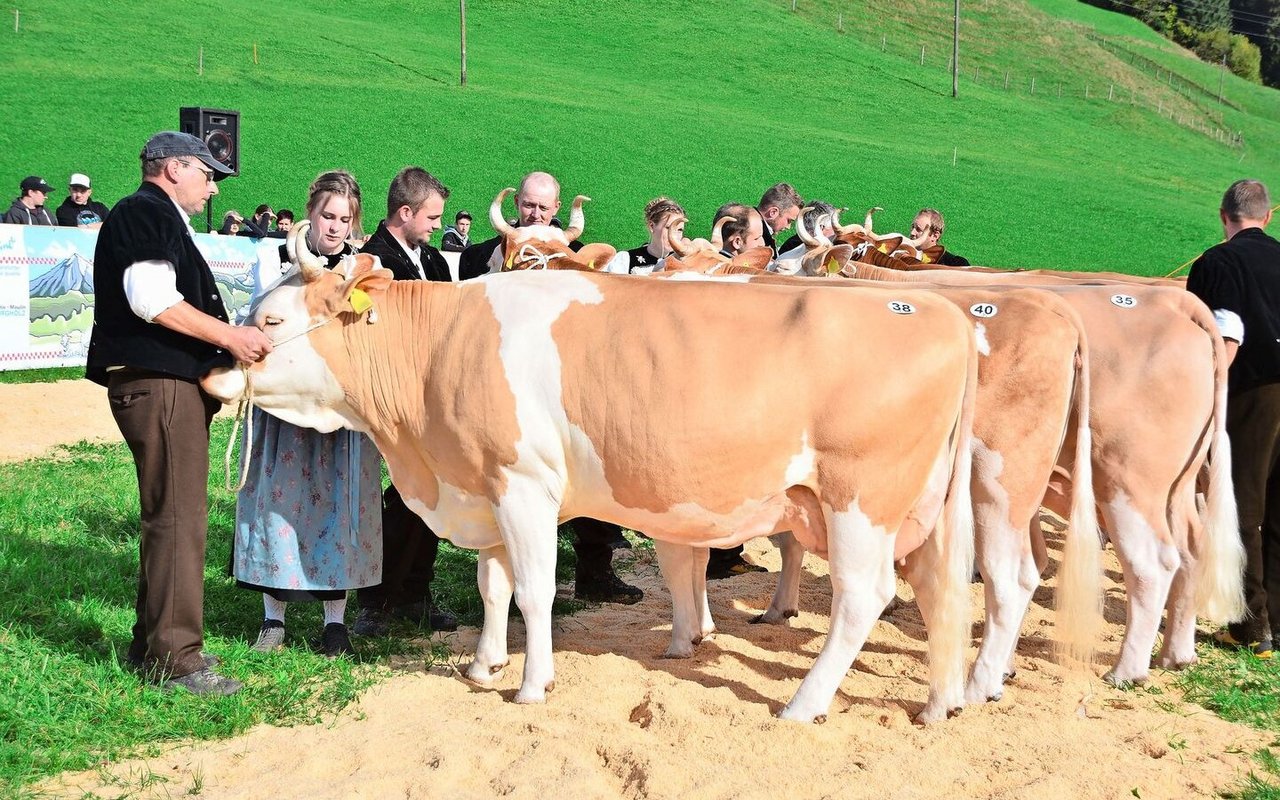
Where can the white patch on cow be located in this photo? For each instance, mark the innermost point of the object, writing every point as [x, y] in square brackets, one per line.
[293, 382]
[980, 333]
[464, 519]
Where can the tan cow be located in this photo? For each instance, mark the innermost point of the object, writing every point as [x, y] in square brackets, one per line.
[1158, 412]
[544, 246]
[1033, 395]
[531, 397]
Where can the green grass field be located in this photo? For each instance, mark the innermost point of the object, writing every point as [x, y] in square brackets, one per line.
[624, 101]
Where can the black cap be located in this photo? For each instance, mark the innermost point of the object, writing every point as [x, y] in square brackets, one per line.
[461, 215]
[170, 144]
[34, 183]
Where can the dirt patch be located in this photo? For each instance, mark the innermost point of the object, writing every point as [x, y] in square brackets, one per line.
[623, 722]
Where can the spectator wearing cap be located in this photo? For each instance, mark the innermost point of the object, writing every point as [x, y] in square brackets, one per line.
[80, 210]
[28, 208]
[159, 326]
[456, 237]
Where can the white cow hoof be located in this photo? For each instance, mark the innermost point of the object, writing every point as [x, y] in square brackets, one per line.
[484, 674]
[936, 713]
[773, 616]
[979, 694]
[531, 696]
[675, 651]
[799, 715]
[1121, 682]
[1174, 662]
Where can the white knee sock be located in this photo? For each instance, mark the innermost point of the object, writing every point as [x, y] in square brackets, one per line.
[334, 611]
[274, 609]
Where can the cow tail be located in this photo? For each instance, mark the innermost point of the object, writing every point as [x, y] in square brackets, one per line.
[1220, 584]
[947, 675]
[1079, 595]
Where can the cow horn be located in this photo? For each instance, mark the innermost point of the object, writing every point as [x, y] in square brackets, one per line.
[495, 213]
[818, 234]
[309, 265]
[716, 238]
[675, 242]
[802, 232]
[577, 221]
[871, 211]
[852, 227]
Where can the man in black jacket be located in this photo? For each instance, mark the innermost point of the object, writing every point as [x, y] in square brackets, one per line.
[159, 326]
[930, 221]
[779, 206]
[80, 210]
[456, 237]
[1240, 281]
[28, 208]
[415, 203]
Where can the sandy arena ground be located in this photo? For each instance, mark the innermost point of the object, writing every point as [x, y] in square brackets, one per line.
[625, 723]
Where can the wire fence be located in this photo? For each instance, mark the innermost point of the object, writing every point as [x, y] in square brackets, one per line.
[1168, 94]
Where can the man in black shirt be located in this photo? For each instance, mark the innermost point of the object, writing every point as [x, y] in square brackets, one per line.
[80, 210]
[159, 326]
[1240, 281]
[415, 203]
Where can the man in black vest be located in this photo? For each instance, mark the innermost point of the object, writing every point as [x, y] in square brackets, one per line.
[929, 221]
[1240, 280]
[415, 203]
[159, 325]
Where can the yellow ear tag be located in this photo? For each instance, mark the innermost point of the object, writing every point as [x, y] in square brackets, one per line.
[591, 264]
[360, 301]
[832, 267]
[882, 248]
[511, 257]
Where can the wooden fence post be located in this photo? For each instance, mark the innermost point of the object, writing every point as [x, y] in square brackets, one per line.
[1033, 84]
[1006, 80]
[922, 55]
[255, 52]
[15, 20]
[200, 70]
[1111, 92]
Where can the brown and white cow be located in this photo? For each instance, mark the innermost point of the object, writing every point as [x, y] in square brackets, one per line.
[1158, 412]
[1033, 395]
[526, 398]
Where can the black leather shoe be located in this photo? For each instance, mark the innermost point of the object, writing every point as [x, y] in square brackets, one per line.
[335, 642]
[137, 665]
[607, 589]
[371, 622]
[731, 567]
[423, 616]
[203, 681]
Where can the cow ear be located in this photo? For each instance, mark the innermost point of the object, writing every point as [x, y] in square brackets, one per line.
[837, 259]
[674, 264]
[755, 258]
[595, 256]
[360, 293]
[888, 244]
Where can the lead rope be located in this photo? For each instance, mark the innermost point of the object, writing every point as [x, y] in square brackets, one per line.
[245, 411]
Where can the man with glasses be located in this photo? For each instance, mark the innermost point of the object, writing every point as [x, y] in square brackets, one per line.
[28, 208]
[159, 326]
[930, 220]
[80, 210]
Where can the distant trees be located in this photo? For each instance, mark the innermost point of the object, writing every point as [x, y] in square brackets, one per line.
[1246, 32]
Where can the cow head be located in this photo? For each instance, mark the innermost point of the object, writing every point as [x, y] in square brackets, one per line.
[820, 257]
[546, 246]
[699, 255]
[307, 306]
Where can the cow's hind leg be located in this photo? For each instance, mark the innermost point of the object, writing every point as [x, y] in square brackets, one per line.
[1010, 577]
[1179, 648]
[861, 559]
[527, 518]
[1149, 560]
[786, 597]
[493, 575]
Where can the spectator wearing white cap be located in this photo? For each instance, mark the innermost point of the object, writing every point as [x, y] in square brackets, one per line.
[80, 210]
[28, 208]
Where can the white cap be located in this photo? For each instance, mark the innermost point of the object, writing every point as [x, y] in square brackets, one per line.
[79, 179]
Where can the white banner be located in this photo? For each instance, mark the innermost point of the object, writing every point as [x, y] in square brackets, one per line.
[46, 290]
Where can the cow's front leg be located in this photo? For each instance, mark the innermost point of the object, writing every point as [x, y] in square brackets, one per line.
[786, 597]
[861, 558]
[528, 524]
[493, 574]
[676, 562]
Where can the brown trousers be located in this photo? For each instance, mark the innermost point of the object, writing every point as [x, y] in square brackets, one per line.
[165, 422]
[1253, 422]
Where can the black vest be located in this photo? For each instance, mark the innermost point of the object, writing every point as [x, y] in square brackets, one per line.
[147, 226]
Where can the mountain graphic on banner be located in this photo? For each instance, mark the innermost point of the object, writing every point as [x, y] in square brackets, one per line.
[72, 274]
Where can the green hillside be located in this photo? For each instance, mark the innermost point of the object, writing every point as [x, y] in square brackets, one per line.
[706, 102]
